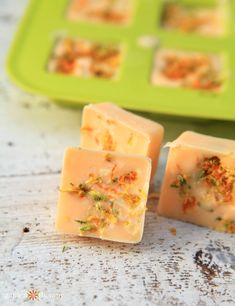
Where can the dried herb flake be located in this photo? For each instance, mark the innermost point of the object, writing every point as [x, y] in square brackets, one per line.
[86, 228]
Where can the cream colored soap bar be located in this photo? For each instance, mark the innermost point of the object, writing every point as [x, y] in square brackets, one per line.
[103, 195]
[107, 127]
[199, 183]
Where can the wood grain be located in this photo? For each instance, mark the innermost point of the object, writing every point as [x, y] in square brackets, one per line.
[194, 267]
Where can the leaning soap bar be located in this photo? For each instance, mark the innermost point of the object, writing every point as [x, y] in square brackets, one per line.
[105, 126]
[199, 183]
[103, 195]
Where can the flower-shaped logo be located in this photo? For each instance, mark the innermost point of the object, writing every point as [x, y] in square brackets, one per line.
[33, 295]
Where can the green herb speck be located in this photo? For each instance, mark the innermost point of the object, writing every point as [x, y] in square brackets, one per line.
[115, 212]
[202, 174]
[81, 221]
[86, 228]
[98, 197]
[180, 182]
[65, 248]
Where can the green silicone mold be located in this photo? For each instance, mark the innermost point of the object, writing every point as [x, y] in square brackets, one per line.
[45, 21]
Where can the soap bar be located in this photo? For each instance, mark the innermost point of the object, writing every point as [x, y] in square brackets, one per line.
[199, 182]
[208, 21]
[85, 58]
[103, 195]
[193, 70]
[105, 126]
[117, 12]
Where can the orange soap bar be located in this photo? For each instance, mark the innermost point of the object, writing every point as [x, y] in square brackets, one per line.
[105, 126]
[103, 195]
[199, 183]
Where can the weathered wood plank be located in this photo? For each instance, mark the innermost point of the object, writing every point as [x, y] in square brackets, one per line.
[33, 135]
[195, 267]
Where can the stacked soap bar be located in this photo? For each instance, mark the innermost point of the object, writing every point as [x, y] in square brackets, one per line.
[199, 183]
[107, 127]
[105, 184]
[103, 195]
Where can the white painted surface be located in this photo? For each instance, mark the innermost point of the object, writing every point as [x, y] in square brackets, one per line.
[159, 271]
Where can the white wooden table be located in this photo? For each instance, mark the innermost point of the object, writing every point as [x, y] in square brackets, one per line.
[195, 267]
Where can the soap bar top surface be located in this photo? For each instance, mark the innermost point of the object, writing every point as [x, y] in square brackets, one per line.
[139, 123]
[116, 12]
[106, 126]
[199, 182]
[103, 195]
[204, 142]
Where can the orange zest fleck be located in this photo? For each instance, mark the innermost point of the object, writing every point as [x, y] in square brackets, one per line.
[97, 141]
[173, 231]
[189, 204]
[128, 178]
[231, 229]
[86, 129]
[132, 200]
[112, 172]
[107, 141]
[109, 121]
[108, 157]
[130, 139]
